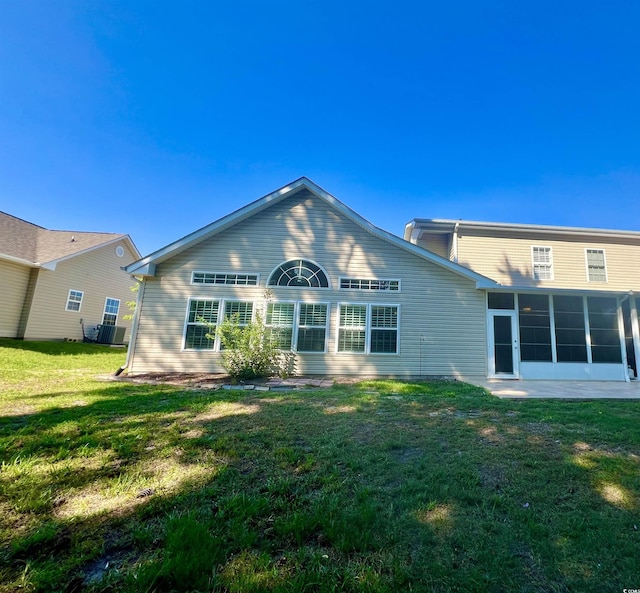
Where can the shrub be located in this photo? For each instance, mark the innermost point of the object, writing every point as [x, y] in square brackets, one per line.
[249, 352]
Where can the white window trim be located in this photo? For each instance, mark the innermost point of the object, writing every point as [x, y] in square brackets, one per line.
[368, 290]
[194, 272]
[534, 263]
[586, 263]
[81, 293]
[368, 328]
[296, 322]
[104, 310]
[187, 323]
[222, 304]
[315, 263]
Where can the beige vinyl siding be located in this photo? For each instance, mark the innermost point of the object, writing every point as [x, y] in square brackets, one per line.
[98, 275]
[438, 243]
[508, 261]
[15, 282]
[436, 305]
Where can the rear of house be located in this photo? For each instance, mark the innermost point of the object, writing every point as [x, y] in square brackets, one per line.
[348, 298]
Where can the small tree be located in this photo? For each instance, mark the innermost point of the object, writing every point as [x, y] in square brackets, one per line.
[131, 305]
[249, 352]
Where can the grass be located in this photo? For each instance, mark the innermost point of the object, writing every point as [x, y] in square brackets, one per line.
[381, 486]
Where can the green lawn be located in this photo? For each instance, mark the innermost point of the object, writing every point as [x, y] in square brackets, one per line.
[379, 486]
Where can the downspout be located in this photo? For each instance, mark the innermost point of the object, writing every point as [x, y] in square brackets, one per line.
[134, 327]
[454, 243]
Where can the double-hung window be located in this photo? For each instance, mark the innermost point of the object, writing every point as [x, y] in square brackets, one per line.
[110, 314]
[368, 329]
[74, 300]
[298, 326]
[596, 265]
[202, 316]
[542, 263]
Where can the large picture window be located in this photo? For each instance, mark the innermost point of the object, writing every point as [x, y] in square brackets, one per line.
[368, 329]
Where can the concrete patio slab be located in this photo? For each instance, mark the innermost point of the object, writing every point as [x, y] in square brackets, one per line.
[514, 389]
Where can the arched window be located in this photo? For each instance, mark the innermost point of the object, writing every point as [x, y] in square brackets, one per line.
[299, 272]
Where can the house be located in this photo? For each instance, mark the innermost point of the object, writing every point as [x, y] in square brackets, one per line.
[348, 297]
[55, 283]
[455, 299]
[563, 306]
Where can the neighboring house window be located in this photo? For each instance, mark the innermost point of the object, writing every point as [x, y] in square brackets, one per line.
[229, 279]
[111, 308]
[201, 314]
[542, 263]
[368, 329]
[304, 331]
[596, 265]
[74, 300]
[299, 272]
[369, 284]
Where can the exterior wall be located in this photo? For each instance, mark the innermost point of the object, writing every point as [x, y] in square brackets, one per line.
[15, 281]
[442, 315]
[508, 260]
[438, 243]
[98, 275]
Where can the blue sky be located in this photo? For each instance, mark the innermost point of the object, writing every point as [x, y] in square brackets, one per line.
[156, 118]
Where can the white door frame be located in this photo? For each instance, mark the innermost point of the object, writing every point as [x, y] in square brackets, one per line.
[491, 314]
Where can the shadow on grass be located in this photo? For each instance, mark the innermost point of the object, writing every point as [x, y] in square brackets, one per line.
[382, 486]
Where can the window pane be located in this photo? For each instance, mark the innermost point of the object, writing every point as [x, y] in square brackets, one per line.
[313, 314]
[311, 339]
[203, 310]
[351, 340]
[196, 338]
[535, 328]
[571, 344]
[242, 310]
[280, 314]
[384, 317]
[353, 315]
[384, 341]
[281, 337]
[596, 265]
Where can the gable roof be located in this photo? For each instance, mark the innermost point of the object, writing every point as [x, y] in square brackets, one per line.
[34, 246]
[147, 265]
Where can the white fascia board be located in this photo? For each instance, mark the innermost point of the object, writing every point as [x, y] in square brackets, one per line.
[19, 261]
[427, 224]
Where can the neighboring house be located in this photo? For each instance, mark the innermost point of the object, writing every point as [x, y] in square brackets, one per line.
[453, 299]
[563, 306]
[54, 280]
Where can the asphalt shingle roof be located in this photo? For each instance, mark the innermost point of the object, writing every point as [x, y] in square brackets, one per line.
[33, 243]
